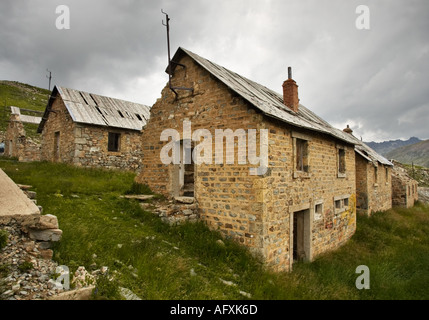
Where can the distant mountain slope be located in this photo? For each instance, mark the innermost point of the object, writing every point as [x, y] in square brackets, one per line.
[417, 153]
[385, 147]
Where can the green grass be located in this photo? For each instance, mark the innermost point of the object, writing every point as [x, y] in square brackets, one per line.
[155, 260]
[22, 96]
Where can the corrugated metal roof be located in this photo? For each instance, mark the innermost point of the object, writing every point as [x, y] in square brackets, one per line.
[89, 108]
[370, 154]
[266, 100]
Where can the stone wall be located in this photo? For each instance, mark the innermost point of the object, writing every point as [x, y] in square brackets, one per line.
[373, 186]
[284, 192]
[256, 211]
[87, 145]
[91, 144]
[17, 144]
[404, 188]
[58, 140]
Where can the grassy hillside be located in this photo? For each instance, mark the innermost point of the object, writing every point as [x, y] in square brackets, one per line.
[23, 96]
[160, 262]
[417, 153]
[418, 173]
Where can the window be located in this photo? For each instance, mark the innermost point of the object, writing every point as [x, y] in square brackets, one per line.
[341, 161]
[301, 155]
[301, 163]
[341, 203]
[387, 173]
[337, 204]
[318, 211]
[113, 142]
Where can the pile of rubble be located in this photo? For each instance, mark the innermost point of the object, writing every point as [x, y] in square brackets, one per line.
[176, 211]
[26, 268]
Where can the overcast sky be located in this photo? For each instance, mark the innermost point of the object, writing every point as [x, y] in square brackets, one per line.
[376, 80]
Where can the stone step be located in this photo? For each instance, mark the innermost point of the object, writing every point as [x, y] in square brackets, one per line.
[185, 200]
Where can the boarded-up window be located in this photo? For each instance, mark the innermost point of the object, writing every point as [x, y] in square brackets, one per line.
[113, 143]
[341, 161]
[301, 155]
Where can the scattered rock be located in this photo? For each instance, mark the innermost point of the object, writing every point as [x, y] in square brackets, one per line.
[46, 235]
[247, 295]
[221, 243]
[185, 200]
[128, 294]
[33, 282]
[228, 283]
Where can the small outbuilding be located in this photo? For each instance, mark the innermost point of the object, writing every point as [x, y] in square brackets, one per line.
[91, 130]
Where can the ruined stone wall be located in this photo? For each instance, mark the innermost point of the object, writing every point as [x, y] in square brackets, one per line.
[91, 148]
[17, 144]
[404, 188]
[256, 211]
[60, 121]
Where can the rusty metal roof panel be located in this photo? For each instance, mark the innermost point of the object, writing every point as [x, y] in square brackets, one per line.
[267, 100]
[88, 108]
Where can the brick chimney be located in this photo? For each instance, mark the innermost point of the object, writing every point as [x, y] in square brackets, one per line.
[290, 92]
[348, 130]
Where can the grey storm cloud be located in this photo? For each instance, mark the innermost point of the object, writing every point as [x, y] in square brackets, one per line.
[375, 80]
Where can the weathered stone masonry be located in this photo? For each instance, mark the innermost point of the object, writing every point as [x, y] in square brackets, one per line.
[257, 211]
[83, 144]
[17, 144]
[373, 186]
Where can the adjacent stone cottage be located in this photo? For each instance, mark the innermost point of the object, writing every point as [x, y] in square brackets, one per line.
[290, 198]
[404, 188]
[373, 179]
[90, 130]
[17, 143]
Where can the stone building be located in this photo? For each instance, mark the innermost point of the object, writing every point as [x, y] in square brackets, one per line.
[290, 198]
[90, 130]
[373, 179]
[404, 188]
[17, 143]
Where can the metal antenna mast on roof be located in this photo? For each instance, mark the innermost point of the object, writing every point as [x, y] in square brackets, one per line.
[50, 78]
[170, 63]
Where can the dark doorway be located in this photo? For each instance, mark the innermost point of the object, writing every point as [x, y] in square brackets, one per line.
[301, 235]
[57, 147]
[184, 173]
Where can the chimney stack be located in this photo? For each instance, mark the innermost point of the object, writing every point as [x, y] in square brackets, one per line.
[290, 92]
[348, 130]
